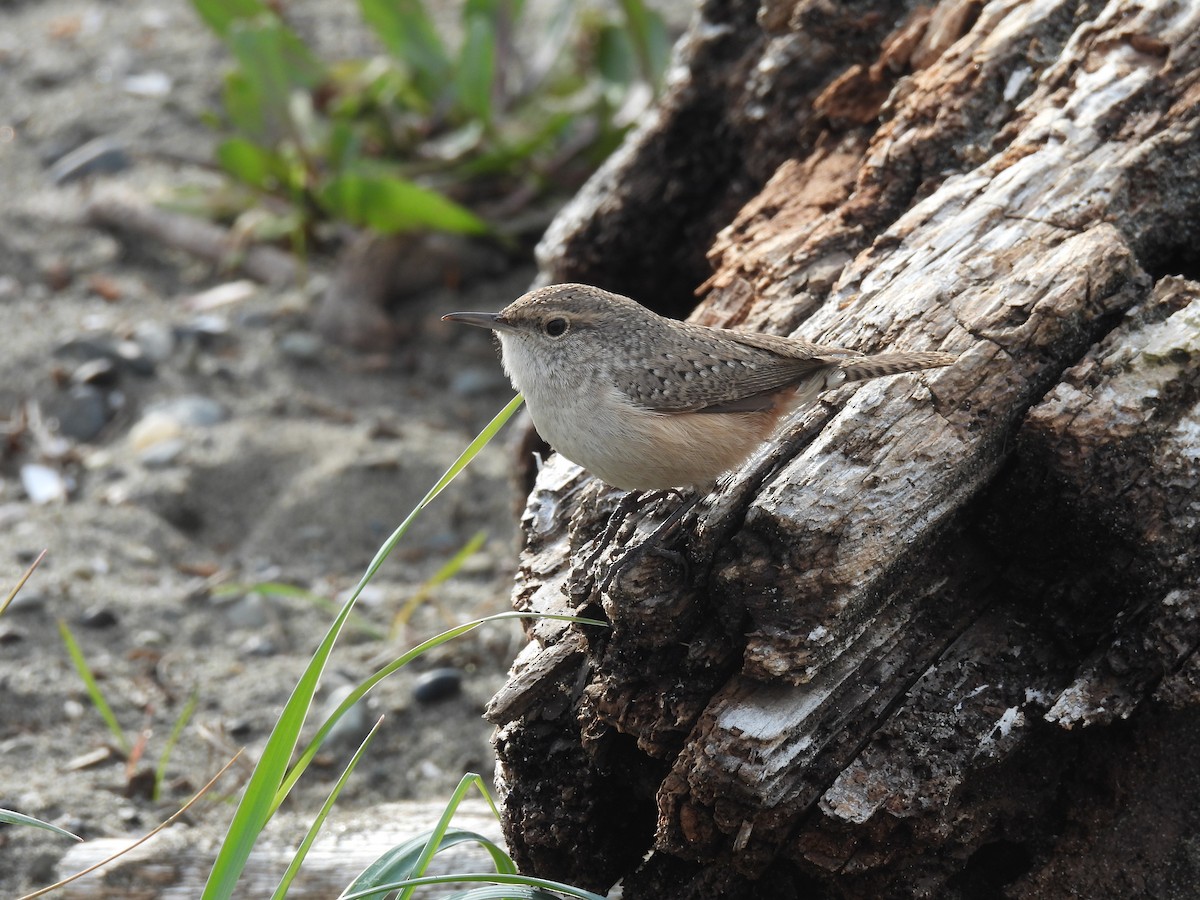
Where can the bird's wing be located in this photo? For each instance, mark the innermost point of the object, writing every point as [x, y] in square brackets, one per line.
[711, 370]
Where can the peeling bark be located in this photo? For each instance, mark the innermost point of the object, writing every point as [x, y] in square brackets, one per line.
[873, 663]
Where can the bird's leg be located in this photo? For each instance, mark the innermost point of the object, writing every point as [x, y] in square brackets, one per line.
[656, 543]
[582, 582]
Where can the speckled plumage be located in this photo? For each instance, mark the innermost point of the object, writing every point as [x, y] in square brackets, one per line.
[649, 402]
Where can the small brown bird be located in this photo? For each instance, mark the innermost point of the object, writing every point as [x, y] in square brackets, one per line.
[645, 402]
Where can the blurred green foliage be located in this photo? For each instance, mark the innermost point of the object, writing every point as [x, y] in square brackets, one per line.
[425, 135]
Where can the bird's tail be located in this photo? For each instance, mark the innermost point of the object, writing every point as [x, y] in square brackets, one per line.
[859, 368]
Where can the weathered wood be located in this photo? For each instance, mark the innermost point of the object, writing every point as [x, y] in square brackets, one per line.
[837, 667]
[117, 210]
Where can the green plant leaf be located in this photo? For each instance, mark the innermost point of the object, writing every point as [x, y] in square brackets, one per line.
[220, 15]
[504, 892]
[406, 30]
[261, 796]
[403, 860]
[448, 570]
[389, 204]
[9, 817]
[648, 35]
[250, 163]
[274, 63]
[293, 868]
[93, 687]
[616, 56]
[160, 771]
[520, 881]
[366, 686]
[244, 105]
[475, 73]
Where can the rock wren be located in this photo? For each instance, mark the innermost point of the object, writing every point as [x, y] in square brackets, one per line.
[645, 402]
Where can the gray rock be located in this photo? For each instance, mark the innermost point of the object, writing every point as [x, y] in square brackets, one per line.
[301, 346]
[81, 413]
[126, 354]
[437, 685]
[102, 372]
[258, 645]
[352, 726]
[101, 156]
[192, 409]
[162, 453]
[156, 340]
[248, 612]
[474, 382]
[98, 617]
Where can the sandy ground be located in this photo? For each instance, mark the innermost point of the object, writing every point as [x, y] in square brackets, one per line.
[208, 449]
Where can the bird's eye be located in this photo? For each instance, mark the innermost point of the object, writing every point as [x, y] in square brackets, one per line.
[556, 327]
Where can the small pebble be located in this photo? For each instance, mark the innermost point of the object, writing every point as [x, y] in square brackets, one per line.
[130, 355]
[437, 685]
[157, 341]
[474, 382]
[221, 295]
[101, 156]
[126, 354]
[208, 325]
[248, 612]
[352, 725]
[150, 637]
[192, 409]
[27, 601]
[100, 371]
[152, 429]
[73, 709]
[258, 645]
[301, 346]
[43, 485]
[163, 453]
[98, 617]
[81, 413]
[148, 84]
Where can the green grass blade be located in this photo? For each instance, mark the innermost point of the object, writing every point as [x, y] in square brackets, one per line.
[293, 868]
[648, 34]
[220, 15]
[364, 687]
[504, 892]
[475, 74]
[500, 860]
[402, 861]
[483, 877]
[160, 771]
[405, 28]
[389, 204]
[93, 687]
[448, 570]
[259, 801]
[292, 592]
[9, 817]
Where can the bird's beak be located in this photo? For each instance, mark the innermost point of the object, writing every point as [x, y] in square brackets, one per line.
[482, 320]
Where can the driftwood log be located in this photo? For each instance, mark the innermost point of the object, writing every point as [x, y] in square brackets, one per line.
[940, 639]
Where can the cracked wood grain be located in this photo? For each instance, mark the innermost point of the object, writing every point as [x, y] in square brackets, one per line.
[821, 674]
